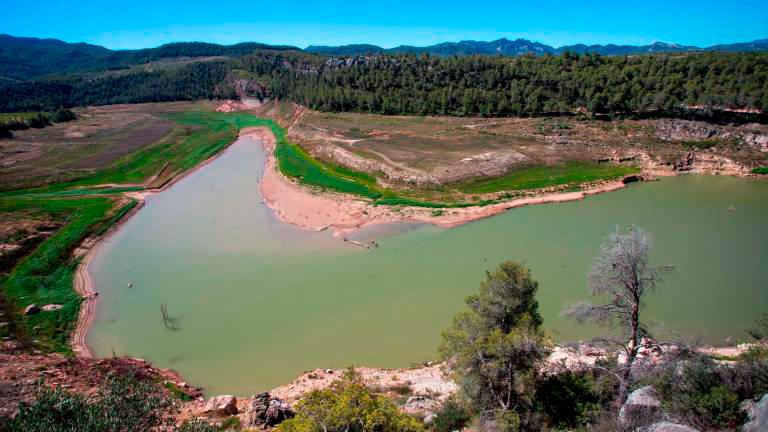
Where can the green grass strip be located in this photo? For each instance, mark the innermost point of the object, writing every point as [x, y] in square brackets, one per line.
[399, 201]
[573, 173]
[78, 192]
[294, 162]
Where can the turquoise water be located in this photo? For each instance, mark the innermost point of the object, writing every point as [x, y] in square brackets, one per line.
[258, 302]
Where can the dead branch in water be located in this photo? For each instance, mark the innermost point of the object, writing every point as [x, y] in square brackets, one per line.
[168, 320]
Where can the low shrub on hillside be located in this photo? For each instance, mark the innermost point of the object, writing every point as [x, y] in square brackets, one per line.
[453, 416]
[568, 399]
[123, 403]
[348, 405]
[706, 394]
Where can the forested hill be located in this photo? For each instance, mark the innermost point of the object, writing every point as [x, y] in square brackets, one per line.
[662, 84]
[28, 58]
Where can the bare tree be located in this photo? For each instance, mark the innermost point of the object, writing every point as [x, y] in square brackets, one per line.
[622, 272]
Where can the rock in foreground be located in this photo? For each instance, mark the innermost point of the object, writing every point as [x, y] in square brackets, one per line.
[642, 408]
[221, 405]
[758, 416]
[669, 427]
[265, 410]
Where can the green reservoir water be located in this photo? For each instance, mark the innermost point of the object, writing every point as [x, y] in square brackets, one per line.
[258, 302]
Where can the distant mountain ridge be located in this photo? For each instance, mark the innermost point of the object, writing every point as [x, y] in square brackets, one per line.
[24, 58]
[516, 47]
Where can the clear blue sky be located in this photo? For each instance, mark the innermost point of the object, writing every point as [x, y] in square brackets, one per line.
[143, 23]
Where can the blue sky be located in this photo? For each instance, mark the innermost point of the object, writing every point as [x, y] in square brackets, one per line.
[143, 23]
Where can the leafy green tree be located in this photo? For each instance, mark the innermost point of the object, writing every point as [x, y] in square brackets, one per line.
[62, 115]
[496, 345]
[349, 406]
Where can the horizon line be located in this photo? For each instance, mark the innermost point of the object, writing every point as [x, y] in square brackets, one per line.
[384, 47]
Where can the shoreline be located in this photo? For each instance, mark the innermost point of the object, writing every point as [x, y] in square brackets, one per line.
[314, 210]
[83, 284]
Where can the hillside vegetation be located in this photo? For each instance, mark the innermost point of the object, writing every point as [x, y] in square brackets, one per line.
[662, 85]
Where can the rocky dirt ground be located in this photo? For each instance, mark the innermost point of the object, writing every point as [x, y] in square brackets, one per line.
[433, 151]
[22, 374]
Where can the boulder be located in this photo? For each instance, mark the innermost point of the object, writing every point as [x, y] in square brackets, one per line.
[758, 416]
[221, 405]
[31, 309]
[669, 427]
[631, 179]
[642, 408]
[52, 307]
[277, 412]
[264, 410]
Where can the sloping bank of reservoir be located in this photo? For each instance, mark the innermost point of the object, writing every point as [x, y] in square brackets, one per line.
[257, 301]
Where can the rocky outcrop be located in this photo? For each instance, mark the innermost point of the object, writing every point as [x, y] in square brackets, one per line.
[754, 136]
[758, 416]
[685, 163]
[706, 163]
[51, 307]
[223, 405]
[31, 309]
[245, 87]
[668, 427]
[756, 140]
[686, 130]
[642, 408]
[265, 410]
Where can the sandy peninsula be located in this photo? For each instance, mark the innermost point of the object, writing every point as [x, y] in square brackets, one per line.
[320, 210]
